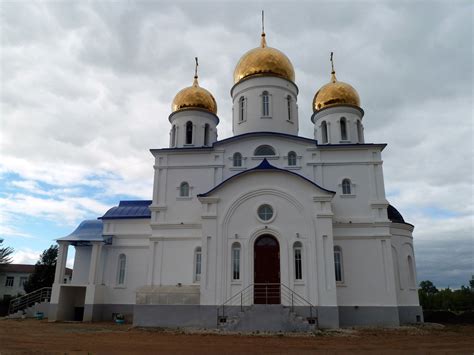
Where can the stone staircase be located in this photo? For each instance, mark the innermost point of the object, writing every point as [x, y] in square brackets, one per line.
[265, 318]
[29, 312]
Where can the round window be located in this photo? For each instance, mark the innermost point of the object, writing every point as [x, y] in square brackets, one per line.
[265, 212]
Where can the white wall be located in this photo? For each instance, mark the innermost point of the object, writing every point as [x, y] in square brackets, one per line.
[278, 120]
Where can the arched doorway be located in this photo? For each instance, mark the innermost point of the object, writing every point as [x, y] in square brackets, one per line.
[266, 270]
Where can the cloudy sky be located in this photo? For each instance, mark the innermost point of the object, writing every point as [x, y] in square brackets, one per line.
[86, 89]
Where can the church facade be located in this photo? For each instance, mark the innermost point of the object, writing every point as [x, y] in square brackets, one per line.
[263, 217]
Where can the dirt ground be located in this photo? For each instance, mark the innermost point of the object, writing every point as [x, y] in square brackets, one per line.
[41, 337]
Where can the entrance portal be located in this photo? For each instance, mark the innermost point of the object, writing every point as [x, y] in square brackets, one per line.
[266, 270]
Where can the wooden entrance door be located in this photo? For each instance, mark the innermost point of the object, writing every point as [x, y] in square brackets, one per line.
[266, 270]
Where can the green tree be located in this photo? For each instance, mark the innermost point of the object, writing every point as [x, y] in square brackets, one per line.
[43, 276]
[5, 254]
[428, 287]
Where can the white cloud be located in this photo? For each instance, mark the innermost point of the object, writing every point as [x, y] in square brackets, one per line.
[86, 91]
[26, 256]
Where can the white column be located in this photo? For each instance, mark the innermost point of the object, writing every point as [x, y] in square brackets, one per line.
[96, 249]
[151, 262]
[61, 262]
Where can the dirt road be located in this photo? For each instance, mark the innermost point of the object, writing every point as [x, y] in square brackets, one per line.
[25, 336]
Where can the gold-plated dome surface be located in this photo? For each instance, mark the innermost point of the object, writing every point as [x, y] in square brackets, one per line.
[194, 96]
[335, 93]
[264, 60]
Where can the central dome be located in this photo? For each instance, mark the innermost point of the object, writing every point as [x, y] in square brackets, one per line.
[264, 60]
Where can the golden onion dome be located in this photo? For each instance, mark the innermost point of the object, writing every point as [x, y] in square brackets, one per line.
[264, 60]
[335, 93]
[194, 96]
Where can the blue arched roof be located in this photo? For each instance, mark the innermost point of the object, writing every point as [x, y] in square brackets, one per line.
[263, 166]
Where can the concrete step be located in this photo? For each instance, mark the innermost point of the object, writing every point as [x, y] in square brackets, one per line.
[268, 318]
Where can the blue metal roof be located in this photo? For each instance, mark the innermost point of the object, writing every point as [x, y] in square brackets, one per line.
[87, 231]
[264, 165]
[128, 210]
[240, 136]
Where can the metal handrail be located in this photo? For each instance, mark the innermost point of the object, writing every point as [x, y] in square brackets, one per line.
[270, 292]
[25, 301]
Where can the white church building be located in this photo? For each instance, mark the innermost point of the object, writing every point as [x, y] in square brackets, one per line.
[263, 224]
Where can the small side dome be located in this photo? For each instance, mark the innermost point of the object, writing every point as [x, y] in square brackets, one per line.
[335, 93]
[264, 60]
[194, 96]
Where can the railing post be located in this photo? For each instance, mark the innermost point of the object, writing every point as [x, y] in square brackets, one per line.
[241, 303]
[292, 303]
[266, 294]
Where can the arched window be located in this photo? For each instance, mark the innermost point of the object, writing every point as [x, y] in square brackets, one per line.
[197, 264]
[184, 189]
[338, 267]
[343, 123]
[359, 132]
[264, 150]
[324, 131]
[189, 132]
[297, 253]
[241, 109]
[237, 159]
[265, 104]
[173, 136]
[291, 159]
[346, 187]
[206, 134]
[411, 271]
[236, 261]
[288, 106]
[122, 263]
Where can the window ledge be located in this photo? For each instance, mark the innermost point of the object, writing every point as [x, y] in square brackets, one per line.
[299, 283]
[345, 141]
[236, 282]
[120, 287]
[237, 168]
[266, 117]
[340, 284]
[348, 195]
[242, 121]
[293, 167]
[268, 157]
[188, 145]
[182, 198]
[290, 121]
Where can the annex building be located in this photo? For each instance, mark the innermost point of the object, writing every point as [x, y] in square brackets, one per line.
[265, 222]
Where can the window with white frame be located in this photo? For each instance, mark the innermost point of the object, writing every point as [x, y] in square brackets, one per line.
[265, 212]
[346, 187]
[241, 109]
[197, 264]
[297, 254]
[189, 132]
[207, 129]
[324, 131]
[237, 160]
[23, 280]
[343, 124]
[235, 261]
[411, 271]
[338, 267]
[184, 189]
[9, 281]
[265, 104]
[264, 150]
[291, 159]
[121, 269]
[173, 136]
[289, 106]
[359, 132]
